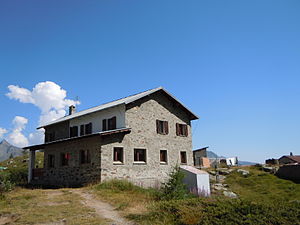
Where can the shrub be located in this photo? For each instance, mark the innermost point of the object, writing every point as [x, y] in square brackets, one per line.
[174, 188]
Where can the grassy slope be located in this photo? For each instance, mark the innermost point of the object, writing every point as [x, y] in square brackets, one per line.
[22, 161]
[264, 199]
[260, 186]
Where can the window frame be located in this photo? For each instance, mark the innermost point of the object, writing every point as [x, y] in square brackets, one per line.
[84, 156]
[166, 156]
[65, 158]
[88, 128]
[51, 161]
[115, 159]
[183, 153]
[181, 129]
[162, 127]
[109, 124]
[74, 131]
[139, 161]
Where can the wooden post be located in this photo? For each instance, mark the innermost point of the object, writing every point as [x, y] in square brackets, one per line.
[31, 163]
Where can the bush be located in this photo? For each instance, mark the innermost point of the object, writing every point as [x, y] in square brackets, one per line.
[214, 212]
[174, 188]
[5, 184]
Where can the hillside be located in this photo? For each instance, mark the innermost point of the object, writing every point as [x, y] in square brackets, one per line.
[9, 151]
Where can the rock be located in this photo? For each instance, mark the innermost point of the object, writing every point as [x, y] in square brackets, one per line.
[223, 171]
[219, 187]
[243, 172]
[212, 172]
[230, 194]
[220, 178]
[267, 169]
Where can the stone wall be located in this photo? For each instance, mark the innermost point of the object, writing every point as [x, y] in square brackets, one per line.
[75, 173]
[289, 172]
[141, 117]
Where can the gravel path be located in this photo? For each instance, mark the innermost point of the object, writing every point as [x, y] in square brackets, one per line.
[102, 209]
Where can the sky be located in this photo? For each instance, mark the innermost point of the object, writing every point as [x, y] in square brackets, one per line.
[236, 64]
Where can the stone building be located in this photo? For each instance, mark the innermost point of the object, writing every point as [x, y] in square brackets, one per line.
[138, 138]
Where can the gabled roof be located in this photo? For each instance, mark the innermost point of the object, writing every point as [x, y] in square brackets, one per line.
[295, 158]
[121, 101]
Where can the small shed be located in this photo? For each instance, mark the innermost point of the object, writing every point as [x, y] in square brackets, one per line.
[197, 181]
[200, 158]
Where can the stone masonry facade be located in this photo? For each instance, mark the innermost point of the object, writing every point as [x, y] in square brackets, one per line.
[140, 117]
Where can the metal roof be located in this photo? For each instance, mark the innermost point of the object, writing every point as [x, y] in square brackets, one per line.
[125, 101]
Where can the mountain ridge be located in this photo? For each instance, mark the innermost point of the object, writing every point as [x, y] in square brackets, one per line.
[8, 150]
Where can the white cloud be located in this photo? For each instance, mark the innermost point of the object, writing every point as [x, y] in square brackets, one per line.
[37, 137]
[49, 97]
[2, 132]
[16, 137]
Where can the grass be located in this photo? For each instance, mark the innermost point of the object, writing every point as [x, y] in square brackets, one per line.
[263, 199]
[22, 161]
[46, 206]
[261, 186]
[125, 196]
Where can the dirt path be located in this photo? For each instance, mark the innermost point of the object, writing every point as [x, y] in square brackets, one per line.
[102, 209]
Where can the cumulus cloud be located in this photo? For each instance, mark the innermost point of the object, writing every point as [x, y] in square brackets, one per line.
[49, 97]
[16, 137]
[2, 132]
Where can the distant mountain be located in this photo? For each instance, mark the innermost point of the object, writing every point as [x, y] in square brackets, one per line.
[213, 155]
[246, 163]
[7, 151]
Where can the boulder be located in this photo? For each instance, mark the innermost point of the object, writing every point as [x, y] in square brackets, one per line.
[230, 194]
[243, 172]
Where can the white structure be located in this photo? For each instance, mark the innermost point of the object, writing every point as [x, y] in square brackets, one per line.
[233, 161]
[197, 181]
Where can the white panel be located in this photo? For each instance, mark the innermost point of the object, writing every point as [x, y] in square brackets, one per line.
[97, 117]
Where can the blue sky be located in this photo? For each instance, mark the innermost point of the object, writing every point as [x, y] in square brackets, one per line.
[234, 63]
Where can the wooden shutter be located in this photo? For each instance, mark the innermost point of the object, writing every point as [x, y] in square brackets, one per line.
[177, 129]
[166, 127]
[114, 123]
[186, 130]
[81, 130]
[157, 127]
[104, 125]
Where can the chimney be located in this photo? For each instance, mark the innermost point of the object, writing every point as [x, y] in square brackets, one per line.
[291, 154]
[72, 109]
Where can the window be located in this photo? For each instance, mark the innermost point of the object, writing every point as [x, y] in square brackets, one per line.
[85, 156]
[74, 131]
[162, 127]
[88, 128]
[139, 155]
[183, 157]
[112, 123]
[65, 158]
[50, 136]
[118, 154]
[163, 156]
[51, 161]
[81, 130]
[181, 130]
[109, 124]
